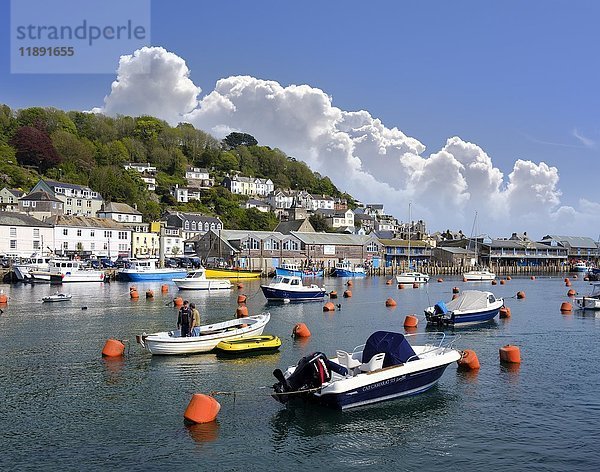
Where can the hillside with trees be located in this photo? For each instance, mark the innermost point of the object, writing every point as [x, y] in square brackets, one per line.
[91, 149]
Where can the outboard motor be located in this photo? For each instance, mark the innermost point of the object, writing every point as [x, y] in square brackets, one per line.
[311, 372]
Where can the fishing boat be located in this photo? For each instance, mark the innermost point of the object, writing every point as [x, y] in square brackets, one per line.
[346, 269]
[37, 262]
[290, 288]
[411, 276]
[471, 306]
[590, 301]
[580, 266]
[196, 280]
[386, 367]
[295, 269]
[57, 297]
[204, 338]
[232, 273]
[66, 271]
[147, 269]
[245, 346]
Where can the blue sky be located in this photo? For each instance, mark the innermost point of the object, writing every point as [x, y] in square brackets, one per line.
[518, 79]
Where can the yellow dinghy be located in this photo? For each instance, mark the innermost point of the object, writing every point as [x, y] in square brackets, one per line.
[255, 344]
[234, 274]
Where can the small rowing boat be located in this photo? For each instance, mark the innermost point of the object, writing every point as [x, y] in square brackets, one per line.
[255, 344]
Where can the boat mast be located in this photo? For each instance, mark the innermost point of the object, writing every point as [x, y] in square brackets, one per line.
[409, 230]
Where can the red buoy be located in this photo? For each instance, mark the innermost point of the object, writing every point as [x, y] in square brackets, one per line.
[468, 361]
[113, 348]
[301, 331]
[411, 321]
[202, 409]
[510, 354]
[390, 302]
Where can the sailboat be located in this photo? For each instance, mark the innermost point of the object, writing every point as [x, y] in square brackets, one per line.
[478, 275]
[410, 276]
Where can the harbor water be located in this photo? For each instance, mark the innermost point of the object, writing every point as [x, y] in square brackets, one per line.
[64, 407]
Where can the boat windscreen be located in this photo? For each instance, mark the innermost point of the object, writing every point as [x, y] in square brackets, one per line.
[397, 349]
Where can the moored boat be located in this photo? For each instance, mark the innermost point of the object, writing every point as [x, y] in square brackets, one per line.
[412, 278]
[590, 301]
[196, 280]
[147, 269]
[471, 306]
[253, 345]
[204, 338]
[233, 273]
[291, 288]
[66, 271]
[295, 269]
[57, 297]
[35, 262]
[386, 367]
[346, 269]
[482, 275]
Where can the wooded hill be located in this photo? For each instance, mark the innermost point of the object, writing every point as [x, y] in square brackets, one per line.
[90, 149]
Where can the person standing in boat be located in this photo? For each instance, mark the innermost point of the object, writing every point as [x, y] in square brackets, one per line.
[184, 319]
[195, 319]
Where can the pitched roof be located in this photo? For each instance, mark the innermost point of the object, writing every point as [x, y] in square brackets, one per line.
[40, 196]
[85, 222]
[286, 227]
[112, 207]
[10, 218]
[332, 238]
[573, 241]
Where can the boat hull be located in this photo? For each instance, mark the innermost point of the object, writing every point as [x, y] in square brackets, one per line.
[383, 390]
[299, 273]
[412, 278]
[151, 275]
[232, 274]
[191, 284]
[348, 273]
[479, 276]
[588, 303]
[276, 294]
[249, 345]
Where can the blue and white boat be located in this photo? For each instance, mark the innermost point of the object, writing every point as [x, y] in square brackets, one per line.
[146, 269]
[386, 367]
[346, 269]
[291, 288]
[471, 306]
[295, 269]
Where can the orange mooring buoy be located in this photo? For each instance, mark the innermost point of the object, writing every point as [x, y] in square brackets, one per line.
[333, 294]
[390, 302]
[241, 312]
[415, 285]
[510, 354]
[411, 321]
[494, 282]
[508, 277]
[113, 348]
[400, 286]
[388, 282]
[202, 409]
[350, 283]
[329, 307]
[133, 293]
[149, 294]
[178, 301]
[504, 312]
[502, 282]
[468, 361]
[566, 307]
[520, 295]
[571, 293]
[347, 293]
[568, 283]
[440, 280]
[301, 331]
[242, 299]
[3, 297]
[240, 286]
[532, 277]
[164, 288]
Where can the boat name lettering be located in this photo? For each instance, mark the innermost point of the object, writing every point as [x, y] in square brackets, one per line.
[383, 383]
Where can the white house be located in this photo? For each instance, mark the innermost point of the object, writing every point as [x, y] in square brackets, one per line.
[322, 201]
[150, 181]
[280, 199]
[77, 199]
[241, 185]
[171, 241]
[141, 167]
[23, 235]
[9, 198]
[199, 177]
[258, 204]
[121, 212]
[180, 193]
[86, 236]
[338, 219]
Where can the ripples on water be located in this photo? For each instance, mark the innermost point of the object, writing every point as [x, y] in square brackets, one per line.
[64, 407]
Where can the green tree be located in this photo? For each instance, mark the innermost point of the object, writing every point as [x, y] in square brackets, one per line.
[78, 153]
[319, 223]
[235, 139]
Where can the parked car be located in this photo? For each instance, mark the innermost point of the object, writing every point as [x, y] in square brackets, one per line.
[172, 263]
[107, 263]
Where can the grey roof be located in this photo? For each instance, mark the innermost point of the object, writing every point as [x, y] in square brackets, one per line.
[40, 196]
[54, 183]
[333, 238]
[573, 241]
[286, 227]
[375, 206]
[112, 207]
[516, 244]
[9, 218]
[193, 217]
[402, 243]
[234, 234]
[455, 250]
[85, 222]
[16, 192]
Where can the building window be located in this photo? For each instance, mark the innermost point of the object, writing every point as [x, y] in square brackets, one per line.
[69, 201]
[89, 204]
[108, 234]
[65, 232]
[65, 245]
[186, 225]
[36, 245]
[92, 233]
[372, 247]
[92, 246]
[33, 204]
[36, 232]
[194, 225]
[13, 244]
[25, 203]
[13, 232]
[122, 234]
[79, 232]
[68, 212]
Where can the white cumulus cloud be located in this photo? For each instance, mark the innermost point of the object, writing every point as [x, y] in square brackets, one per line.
[361, 155]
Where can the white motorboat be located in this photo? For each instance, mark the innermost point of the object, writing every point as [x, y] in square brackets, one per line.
[482, 275]
[471, 306]
[412, 278]
[57, 297]
[591, 301]
[25, 265]
[196, 280]
[63, 271]
[204, 338]
[385, 368]
[290, 287]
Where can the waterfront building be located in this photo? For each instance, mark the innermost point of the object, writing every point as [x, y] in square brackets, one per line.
[120, 212]
[84, 236]
[577, 247]
[22, 235]
[189, 226]
[397, 252]
[40, 204]
[77, 199]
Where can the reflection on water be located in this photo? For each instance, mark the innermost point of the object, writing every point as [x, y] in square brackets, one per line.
[204, 432]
